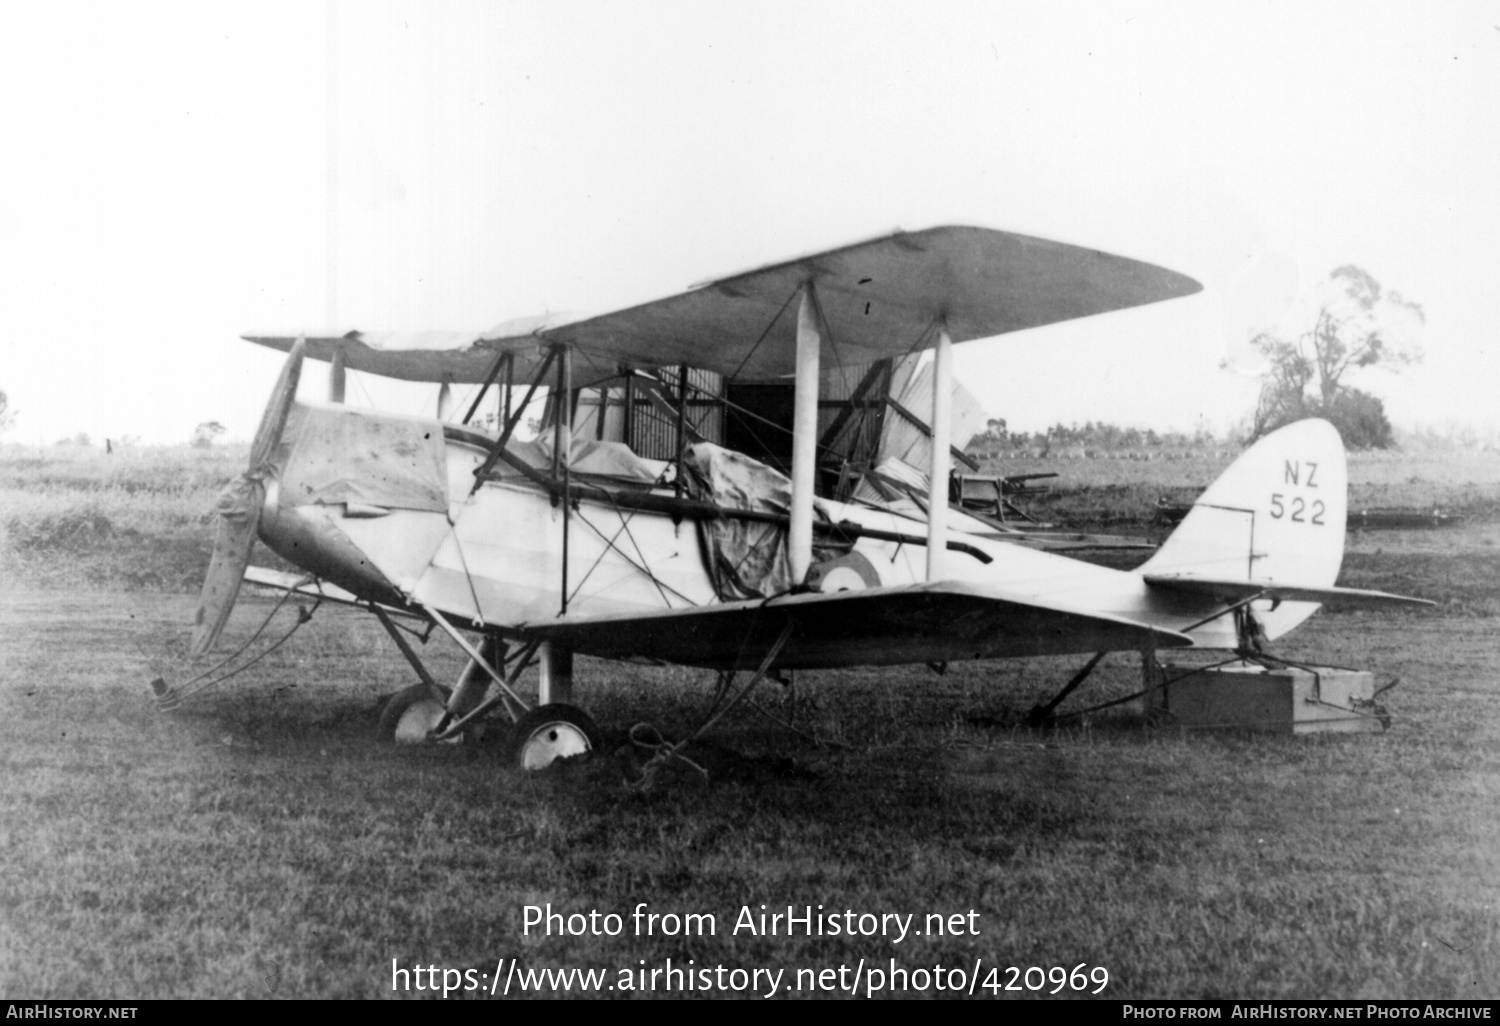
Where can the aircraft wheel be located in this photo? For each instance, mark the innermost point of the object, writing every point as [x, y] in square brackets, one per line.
[551, 732]
[410, 715]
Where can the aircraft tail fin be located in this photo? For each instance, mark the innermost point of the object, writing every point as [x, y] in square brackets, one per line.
[1275, 516]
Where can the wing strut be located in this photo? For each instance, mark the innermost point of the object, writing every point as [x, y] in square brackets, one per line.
[507, 360]
[512, 418]
[562, 450]
[804, 435]
[336, 375]
[942, 460]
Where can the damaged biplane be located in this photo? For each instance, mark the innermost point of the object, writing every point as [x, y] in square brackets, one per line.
[651, 518]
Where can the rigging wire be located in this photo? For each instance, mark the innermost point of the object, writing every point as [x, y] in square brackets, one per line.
[769, 325]
[610, 543]
[468, 577]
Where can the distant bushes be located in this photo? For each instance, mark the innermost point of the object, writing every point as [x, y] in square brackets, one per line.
[1071, 440]
[59, 531]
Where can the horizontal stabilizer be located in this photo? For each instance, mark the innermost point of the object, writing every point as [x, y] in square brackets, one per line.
[1229, 590]
[936, 622]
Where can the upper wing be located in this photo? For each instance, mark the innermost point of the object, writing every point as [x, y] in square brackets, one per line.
[1231, 590]
[456, 356]
[946, 620]
[879, 298]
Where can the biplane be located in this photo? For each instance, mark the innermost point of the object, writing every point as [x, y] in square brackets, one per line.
[655, 517]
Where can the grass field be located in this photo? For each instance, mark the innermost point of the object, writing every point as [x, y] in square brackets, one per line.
[259, 841]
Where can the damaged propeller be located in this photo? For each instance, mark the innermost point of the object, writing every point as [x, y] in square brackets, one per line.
[239, 508]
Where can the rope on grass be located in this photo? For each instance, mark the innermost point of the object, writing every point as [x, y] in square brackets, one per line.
[665, 752]
[170, 698]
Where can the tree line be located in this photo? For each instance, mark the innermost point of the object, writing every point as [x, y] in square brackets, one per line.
[1097, 435]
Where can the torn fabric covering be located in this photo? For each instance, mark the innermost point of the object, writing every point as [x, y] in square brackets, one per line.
[343, 454]
[905, 449]
[746, 559]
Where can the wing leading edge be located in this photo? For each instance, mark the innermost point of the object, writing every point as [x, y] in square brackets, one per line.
[938, 622]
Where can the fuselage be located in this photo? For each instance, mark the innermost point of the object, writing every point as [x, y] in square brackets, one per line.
[508, 555]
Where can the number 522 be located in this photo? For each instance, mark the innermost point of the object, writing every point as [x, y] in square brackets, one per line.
[1298, 512]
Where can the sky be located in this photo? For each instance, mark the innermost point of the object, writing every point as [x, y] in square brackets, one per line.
[175, 175]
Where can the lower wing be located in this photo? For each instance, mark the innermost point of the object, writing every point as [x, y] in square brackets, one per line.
[922, 623]
[314, 588]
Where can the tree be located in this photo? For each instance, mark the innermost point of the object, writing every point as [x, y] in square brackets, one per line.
[7, 415]
[205, 433]
[1357, 325]
[1360, 418]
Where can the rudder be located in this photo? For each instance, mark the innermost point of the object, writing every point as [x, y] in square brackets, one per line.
[1277, 514]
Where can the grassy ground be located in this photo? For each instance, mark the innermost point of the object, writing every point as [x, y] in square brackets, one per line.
[261, 832]
[136, 520]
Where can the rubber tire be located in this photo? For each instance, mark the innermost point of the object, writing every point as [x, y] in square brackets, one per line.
[577, 727]
[398, 706]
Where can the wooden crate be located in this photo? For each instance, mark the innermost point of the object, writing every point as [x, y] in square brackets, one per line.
[1285, 700]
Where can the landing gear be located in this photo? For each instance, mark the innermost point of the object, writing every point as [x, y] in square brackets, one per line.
[551, 732]
[410, 717]
[540, 736]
